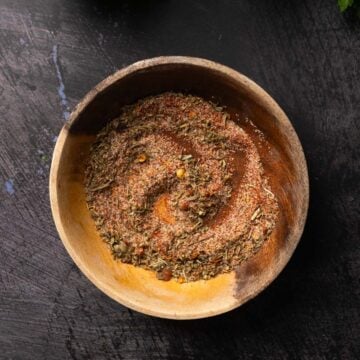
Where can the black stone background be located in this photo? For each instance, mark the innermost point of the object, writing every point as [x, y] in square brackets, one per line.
[304, 53]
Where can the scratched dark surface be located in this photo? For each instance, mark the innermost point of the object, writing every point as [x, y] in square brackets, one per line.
[305, 53]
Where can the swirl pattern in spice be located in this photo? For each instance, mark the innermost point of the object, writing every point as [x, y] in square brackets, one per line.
[176, 186]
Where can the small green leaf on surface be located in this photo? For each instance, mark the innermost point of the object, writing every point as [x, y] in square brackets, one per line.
[344, 4]
[347, 5]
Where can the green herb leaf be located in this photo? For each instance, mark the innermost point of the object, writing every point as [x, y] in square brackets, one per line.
[344, 4]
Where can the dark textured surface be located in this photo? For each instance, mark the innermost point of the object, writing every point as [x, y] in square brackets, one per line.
[305, 53]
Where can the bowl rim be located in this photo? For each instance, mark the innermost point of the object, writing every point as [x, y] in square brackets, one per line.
[267, 101]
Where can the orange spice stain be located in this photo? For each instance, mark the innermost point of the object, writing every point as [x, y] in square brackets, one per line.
[162, 209]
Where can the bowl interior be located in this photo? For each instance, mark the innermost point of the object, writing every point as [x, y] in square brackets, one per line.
[281, 155]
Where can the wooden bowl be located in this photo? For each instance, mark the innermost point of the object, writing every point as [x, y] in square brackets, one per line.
[281, 154]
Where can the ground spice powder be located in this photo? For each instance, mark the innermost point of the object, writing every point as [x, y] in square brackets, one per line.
[174, 185]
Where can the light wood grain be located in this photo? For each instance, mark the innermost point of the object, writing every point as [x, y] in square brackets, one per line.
[283, 160]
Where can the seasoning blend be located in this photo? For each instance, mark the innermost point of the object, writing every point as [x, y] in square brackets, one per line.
[175, 186]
